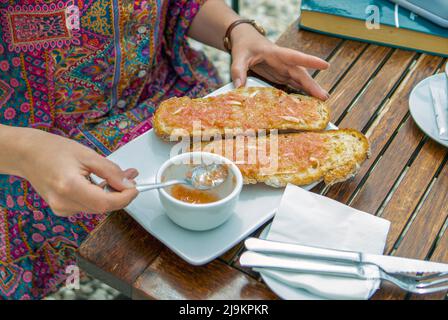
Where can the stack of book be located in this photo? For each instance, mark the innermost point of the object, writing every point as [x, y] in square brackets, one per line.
[376, 21]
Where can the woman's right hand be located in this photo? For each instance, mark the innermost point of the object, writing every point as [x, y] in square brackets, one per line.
[58, 168]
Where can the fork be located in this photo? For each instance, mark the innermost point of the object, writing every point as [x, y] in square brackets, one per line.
[419, 284]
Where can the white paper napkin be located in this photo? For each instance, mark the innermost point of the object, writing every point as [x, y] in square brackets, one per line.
[310, 219]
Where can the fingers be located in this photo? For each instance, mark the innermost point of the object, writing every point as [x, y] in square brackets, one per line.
[294, 57]
[270, 73]
[239, 68]
[299, 76]
[112, 173]
[75, 194]
[96, 200]
[131, 173]
[294, 84]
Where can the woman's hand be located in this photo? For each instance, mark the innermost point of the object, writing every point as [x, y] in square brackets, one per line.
[58, 169]
[251, 50]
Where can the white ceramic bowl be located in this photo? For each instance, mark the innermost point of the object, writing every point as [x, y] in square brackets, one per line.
[205, 216]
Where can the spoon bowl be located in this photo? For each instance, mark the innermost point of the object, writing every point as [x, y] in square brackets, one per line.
[200, 216]
[205, 177]
[201, 177]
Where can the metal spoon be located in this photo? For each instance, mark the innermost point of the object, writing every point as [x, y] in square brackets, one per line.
[203, 177]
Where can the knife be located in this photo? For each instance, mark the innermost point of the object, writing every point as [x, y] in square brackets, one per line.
[294, 264]
[440, 104]
[388, 263]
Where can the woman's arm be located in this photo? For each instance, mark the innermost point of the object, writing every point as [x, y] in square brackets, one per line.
[251, 50]
[11, 153]
[58, 168]
[211, 22]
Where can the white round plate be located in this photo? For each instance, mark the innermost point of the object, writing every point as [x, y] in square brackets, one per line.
[420, 106]
[283, 291]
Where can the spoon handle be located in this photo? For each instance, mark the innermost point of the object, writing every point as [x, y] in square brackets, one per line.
[151, 186]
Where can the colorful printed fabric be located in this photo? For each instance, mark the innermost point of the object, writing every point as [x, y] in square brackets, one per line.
[91, 70]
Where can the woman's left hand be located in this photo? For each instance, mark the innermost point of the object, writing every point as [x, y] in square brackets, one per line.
[251, 50]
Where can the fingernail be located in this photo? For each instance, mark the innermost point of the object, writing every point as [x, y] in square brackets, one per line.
[237, 83]
[133, 173]
[128, 183]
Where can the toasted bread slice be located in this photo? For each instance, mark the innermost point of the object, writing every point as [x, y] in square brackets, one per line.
[298, 158]
[254, 108]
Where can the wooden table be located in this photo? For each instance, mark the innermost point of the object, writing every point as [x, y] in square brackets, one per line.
[405, 181]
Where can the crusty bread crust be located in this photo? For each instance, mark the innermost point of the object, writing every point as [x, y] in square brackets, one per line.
[345, 151]
[286, 124]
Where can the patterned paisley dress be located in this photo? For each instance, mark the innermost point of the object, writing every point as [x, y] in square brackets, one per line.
[91, 70]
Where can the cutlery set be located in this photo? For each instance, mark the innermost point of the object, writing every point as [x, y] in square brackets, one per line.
[416, 276]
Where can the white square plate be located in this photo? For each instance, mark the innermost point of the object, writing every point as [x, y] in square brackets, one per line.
[257, 203]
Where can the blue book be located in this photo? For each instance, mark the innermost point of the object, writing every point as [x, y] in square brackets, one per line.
[376, 21]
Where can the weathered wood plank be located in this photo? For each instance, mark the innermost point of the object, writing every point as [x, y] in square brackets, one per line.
[427, 224]
[386, 124]
[169, 277]
[411, 189]
[308, 42]
[440, 255]
[121, 249]
[386, 172]
[422, 233]
[230, 255]
[236, 261]
[380, 87]
[340, 62]
[355, 79]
